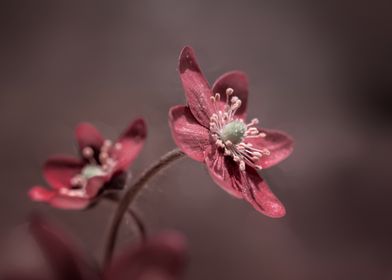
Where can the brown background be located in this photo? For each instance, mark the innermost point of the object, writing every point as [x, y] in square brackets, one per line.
[318, 71]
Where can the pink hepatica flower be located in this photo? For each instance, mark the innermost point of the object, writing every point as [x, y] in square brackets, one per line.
[212, 129]
[162, 257]
[76, 182]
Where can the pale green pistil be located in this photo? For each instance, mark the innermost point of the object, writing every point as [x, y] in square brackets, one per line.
[91, 170]
[233, 132]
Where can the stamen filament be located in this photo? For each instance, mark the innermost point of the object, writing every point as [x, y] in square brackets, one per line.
[106, 163]
[224, 125]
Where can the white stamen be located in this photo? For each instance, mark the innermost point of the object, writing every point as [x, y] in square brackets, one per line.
[73, 193]
[107, 143]
[87, 152]
[231, 133]
[242, 165]
[105, 165]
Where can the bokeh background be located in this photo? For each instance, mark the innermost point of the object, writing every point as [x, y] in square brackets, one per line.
[320, 70]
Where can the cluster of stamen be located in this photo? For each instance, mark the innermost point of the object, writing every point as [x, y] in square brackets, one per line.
[102, 165]
[230, 133]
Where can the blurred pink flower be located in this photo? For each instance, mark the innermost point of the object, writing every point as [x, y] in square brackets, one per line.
[162, 257]
[212, 129]
[77, 182]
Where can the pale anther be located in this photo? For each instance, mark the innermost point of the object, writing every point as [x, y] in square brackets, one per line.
[231, 133]
[87, 152]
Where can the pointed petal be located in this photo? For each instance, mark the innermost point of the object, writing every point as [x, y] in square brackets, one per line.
[188, 134]
[69, 202]
[65, 260]
[58, 200]
[131, 143]
[197, 90]
[38, 193]
[259, 195]
[59, 170]
[220, 168]
[94, 185]
[247, 185]
[162, 257]
[238, 81]
[88, 136]
[277, 142]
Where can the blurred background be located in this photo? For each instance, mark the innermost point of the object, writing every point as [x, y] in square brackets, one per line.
[320, 70]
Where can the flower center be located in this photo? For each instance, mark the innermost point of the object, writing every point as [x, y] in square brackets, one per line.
[231, 134]
[102, 167]
[92, 170]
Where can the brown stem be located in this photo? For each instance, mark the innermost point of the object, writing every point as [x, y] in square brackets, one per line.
[135, 217]
[131, 194]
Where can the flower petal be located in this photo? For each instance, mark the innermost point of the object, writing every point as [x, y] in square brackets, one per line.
[197, 90]
[88, 136]
[277, 142]
[132, 142]
[188, 134]
[38, 193]
[247, 185]
[238, 81]
[94, 185]
[162, 257]
[220, 169]
[57, 199]
[59, 170]
[65, 260]
[259, 195]
[69, 202]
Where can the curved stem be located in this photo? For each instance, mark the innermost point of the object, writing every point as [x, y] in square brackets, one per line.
[134, 216]
[131, 194]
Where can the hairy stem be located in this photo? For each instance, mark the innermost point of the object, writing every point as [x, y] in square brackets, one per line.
[130, 196]
[133, 215]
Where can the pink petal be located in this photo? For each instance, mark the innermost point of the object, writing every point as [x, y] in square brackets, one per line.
[219, 168]
[259, 195]
[58, 200]
[38, 193]
[69, 202]
[277, 142]
[188, 134]
[88, 136]
[66, 261]
[58, 171]
[162, 257]
[248, 185]
[197, 90]
[132, 142]
[94, 185]
[239, 83]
